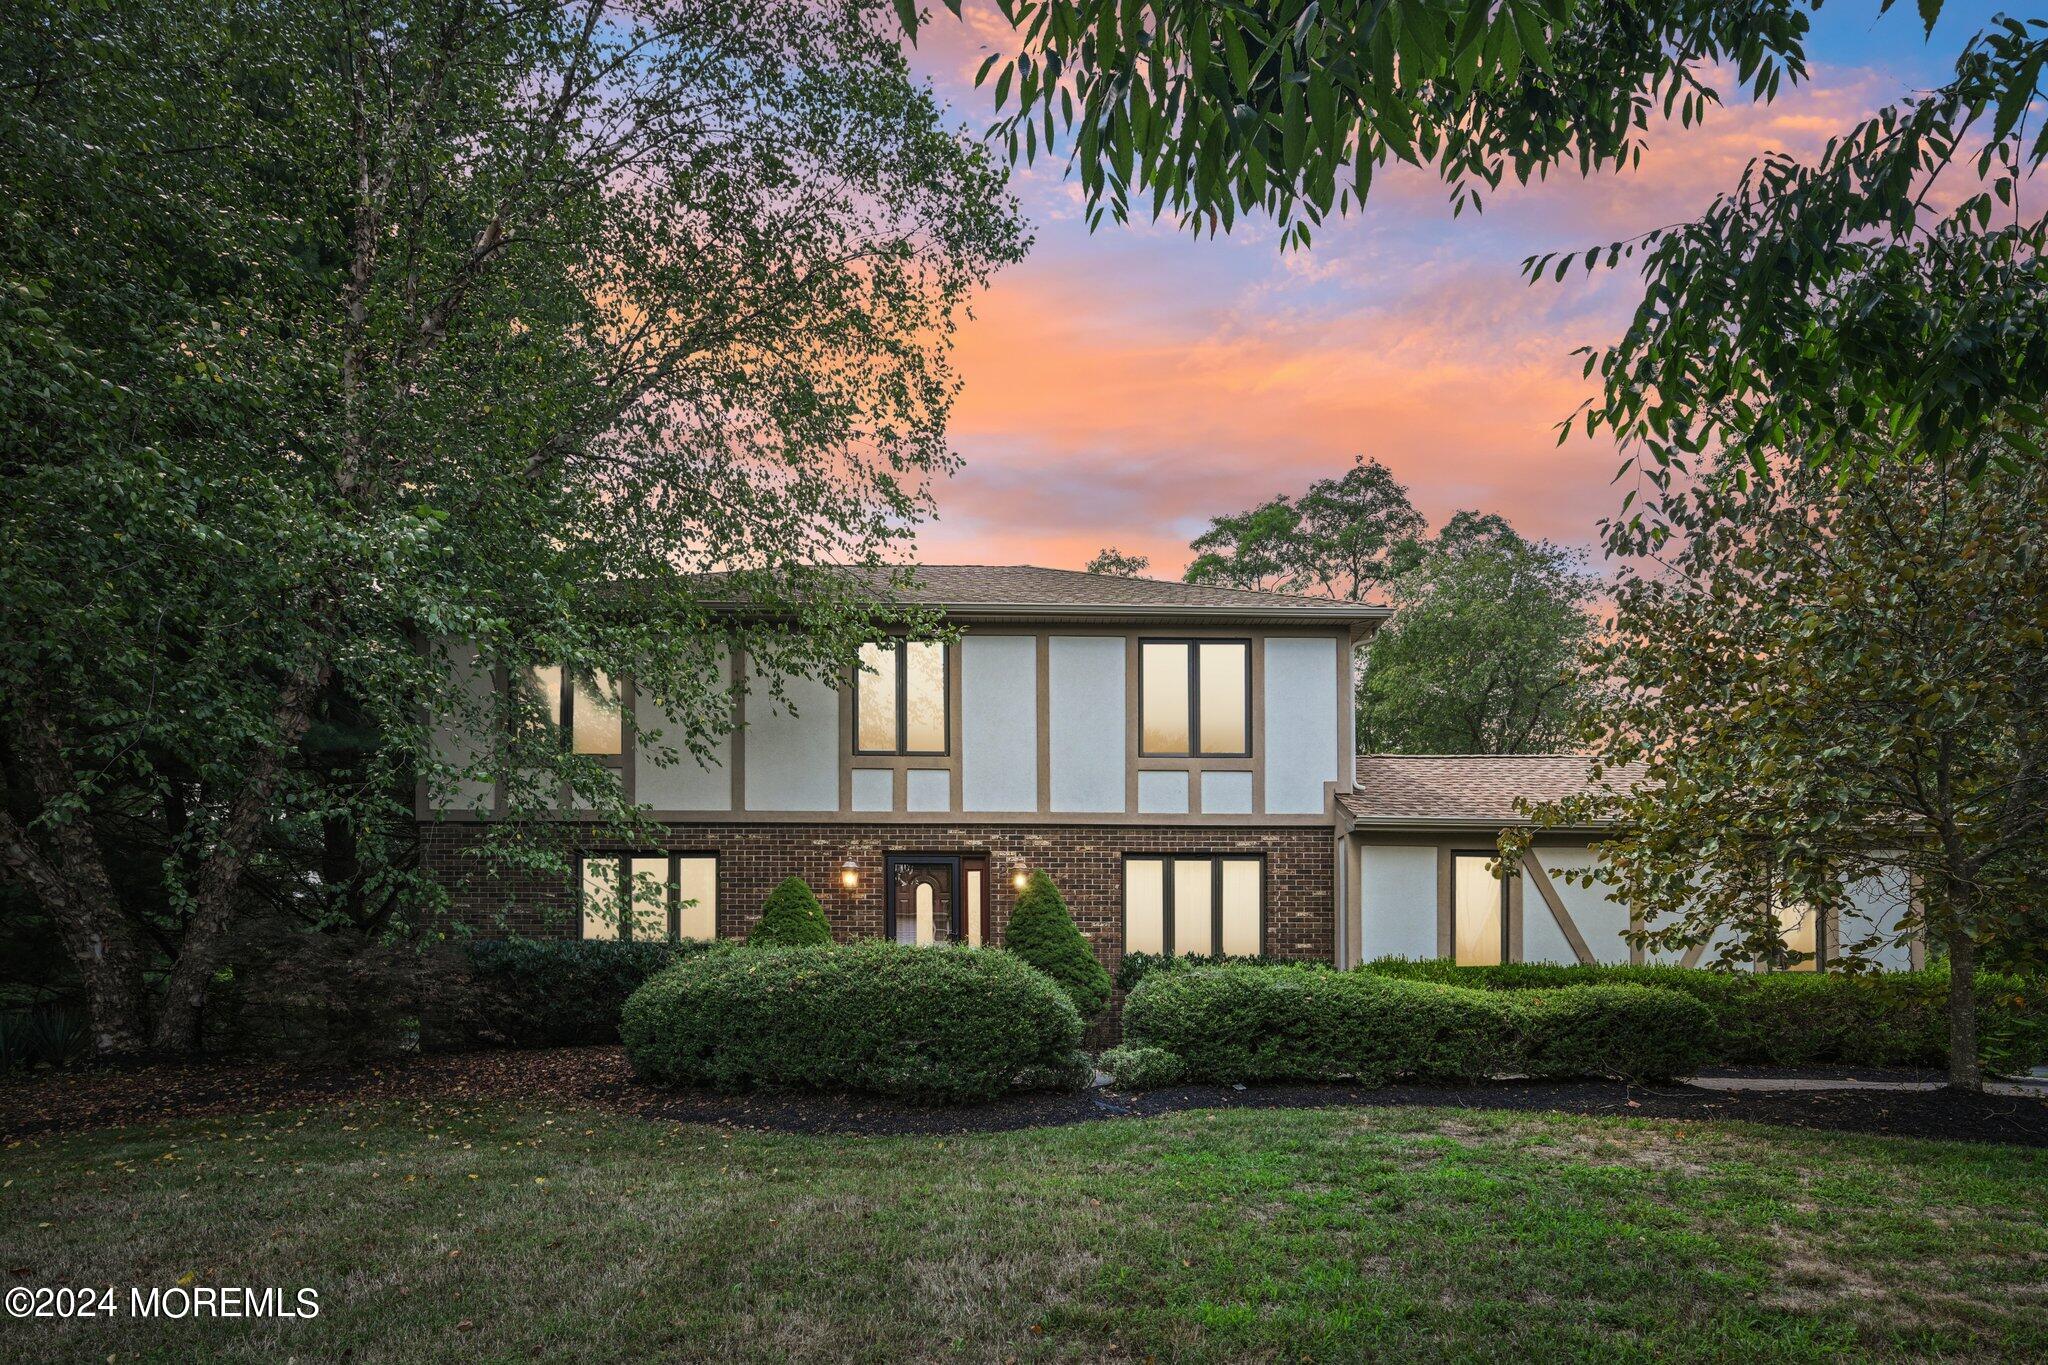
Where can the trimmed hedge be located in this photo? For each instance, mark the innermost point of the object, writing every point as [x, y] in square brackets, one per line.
[1802, 1018]
[791, 918]
[1142, 1068]
[925, 1024]
[1043, 933]
[547, 993]
[1135, 967]
[1239, 1023]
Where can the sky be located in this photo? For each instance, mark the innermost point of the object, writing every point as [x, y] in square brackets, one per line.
[1122, 386]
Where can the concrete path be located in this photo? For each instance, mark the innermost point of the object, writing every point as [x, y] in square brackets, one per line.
[2033, 1086]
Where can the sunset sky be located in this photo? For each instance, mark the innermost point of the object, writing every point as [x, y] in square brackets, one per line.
[1123, 386]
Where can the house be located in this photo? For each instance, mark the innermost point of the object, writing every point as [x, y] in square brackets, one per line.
[1178, 758]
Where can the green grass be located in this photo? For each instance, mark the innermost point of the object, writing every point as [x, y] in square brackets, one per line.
[1342, 1234]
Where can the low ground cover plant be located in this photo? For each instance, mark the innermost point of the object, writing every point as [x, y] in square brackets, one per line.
[1236, 1023]
[938, 1025]
[1801, 1018]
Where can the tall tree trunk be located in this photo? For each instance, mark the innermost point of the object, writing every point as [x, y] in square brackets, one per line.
[1964, 1073]
[220, 874]
[77, 891]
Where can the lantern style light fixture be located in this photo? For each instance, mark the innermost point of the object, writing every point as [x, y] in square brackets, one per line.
[1018, 879]
[849, 874]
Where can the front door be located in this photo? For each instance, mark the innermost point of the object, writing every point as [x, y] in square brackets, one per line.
[935, 898]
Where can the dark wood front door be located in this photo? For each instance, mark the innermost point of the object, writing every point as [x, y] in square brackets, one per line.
[936, 898]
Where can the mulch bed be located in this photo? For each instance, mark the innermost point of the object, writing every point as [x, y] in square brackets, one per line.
[598, 1077]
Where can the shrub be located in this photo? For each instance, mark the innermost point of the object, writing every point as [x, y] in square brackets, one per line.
[1802, 1018]
[1044, 934]
[791, 918]
[1631, 1033]
[1142, 1068]
[1237, 1022]
[42, 1037]
[1135, 967]
[1074, 1072]
[927, 1024]
[547, 993]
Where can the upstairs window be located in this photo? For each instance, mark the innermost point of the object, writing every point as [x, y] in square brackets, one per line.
[647, 896]
[1195, 698]
[586, 710]
[899, 697]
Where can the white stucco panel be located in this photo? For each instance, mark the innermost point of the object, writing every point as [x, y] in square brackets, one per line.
[999, 723]
[1226, 793]
[455, 740]
[1163, 793]
[1301, 723]
[1397, 902]
[792, 746]
[689, 783]
[1086, 730]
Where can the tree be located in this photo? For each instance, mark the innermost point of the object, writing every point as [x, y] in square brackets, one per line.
[1830, 680]
[1116, 564]
[791, 918]
[1043, 933]
[1289, 107]
[1481, 656]
[345, 335]
[1340, 539]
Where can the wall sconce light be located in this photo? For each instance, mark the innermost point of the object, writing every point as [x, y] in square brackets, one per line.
[849, 874]
[1018, 879]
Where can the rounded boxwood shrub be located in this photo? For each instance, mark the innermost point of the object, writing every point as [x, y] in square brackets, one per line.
[1631, 1033]
[1141, 1067]
[1044, 934]
[791, 918]
[1236, 1023]
[926, 1024]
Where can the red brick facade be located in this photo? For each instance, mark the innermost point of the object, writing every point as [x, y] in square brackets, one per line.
[1086, 861]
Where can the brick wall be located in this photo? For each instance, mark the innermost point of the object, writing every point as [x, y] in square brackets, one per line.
[1085, 861]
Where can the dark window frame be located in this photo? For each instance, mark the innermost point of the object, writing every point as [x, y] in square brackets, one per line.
[1215, 861]
[565, 706]
[902, 684]
[674, 898]
[1195, 749]
[1506, 939]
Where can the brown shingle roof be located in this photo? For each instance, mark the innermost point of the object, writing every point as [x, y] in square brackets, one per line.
[1467, 788]
[1026, 589]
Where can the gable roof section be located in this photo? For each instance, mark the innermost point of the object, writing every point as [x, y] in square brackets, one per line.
[1467, 789]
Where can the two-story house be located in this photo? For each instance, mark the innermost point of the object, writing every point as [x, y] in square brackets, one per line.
[1178, 758]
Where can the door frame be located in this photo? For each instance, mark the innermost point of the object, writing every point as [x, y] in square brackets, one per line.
[961, 864]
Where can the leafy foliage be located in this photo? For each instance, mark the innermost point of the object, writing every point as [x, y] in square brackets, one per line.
[1116, 564]
[1289, 108]
[791, 918]
[1142, 1068]
[550, 993]
[346, 336]
[1233, 1024]
[1802, 1018]
[1042, 932]
[1482, 654]
[928, 1024]
[1339, 540]
[1829, 681]
[1135, 967]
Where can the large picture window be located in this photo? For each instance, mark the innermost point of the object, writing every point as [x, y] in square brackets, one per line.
[649, 896]
[1195, 698]
[1479, 911]
[586, 710]
[900, 702]
[1200, 905]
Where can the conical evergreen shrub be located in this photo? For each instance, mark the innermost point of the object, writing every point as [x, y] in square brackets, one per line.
[791, 918]
[1044, 934]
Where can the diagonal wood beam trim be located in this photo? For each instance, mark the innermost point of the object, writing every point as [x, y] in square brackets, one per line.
[1541, 880]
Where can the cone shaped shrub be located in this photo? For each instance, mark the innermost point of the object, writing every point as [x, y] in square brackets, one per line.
[1044, 934]
[792, 918]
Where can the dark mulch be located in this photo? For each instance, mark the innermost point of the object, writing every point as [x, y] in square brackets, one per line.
[599, 1077]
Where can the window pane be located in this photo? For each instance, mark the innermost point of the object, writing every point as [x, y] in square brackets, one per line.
[926, 905]
[1241, 906]
[1144, 906]
[924, 698]
[697, 894]
[546, 685]
[1476, 908]
[877, 692]
[599, 728]
[600, 898]
[1164, 676]
[974, 907]
[1799, 927]
[1225, 694]
[650, 896]
[1194, 929]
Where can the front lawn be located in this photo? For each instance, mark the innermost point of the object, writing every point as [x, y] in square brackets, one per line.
[500, 1232]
